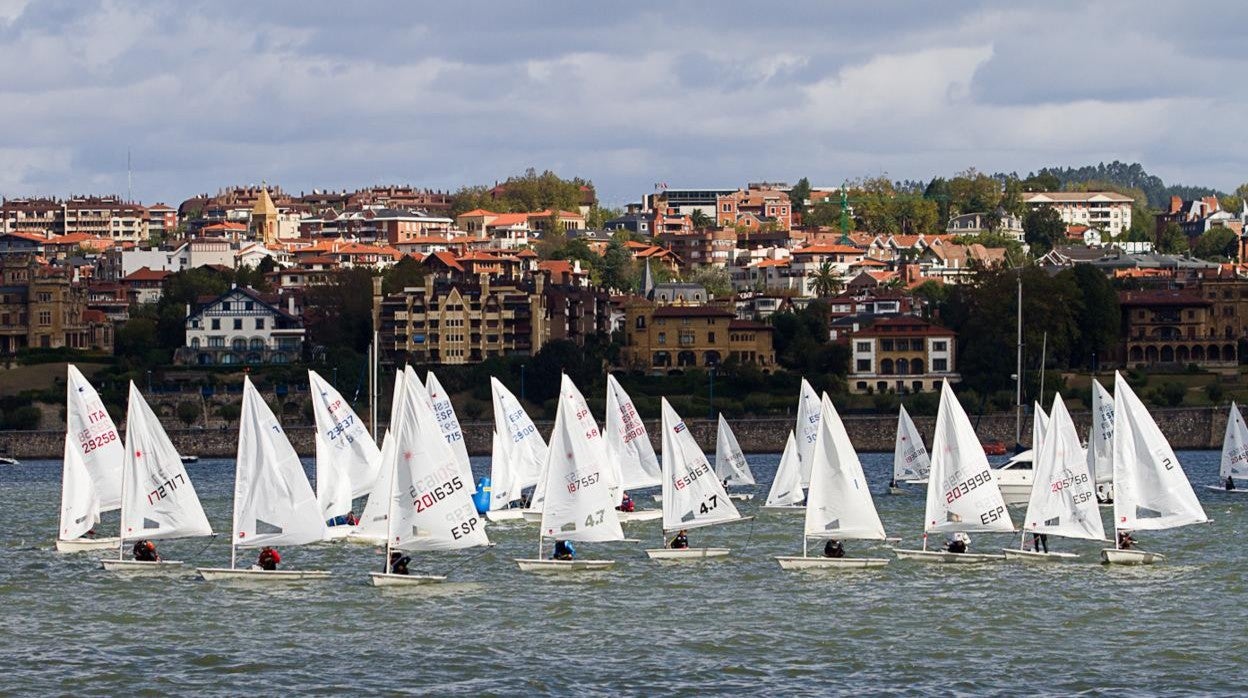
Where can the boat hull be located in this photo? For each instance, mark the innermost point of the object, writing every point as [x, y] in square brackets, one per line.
[794, 562]
[386, 579]
[1223, 490]
[82, 545]
[740, 496]
[1033, 556]
[946, 556]
[142, 567]
[639, 515]
[896, 490]
[1113, 556]
[500, 515]
[532, 516]
[339, 532]
[225, 574]
[683, 554]
[562, 566]
[362, 539]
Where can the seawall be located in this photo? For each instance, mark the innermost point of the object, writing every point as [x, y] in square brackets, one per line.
[1186, 428]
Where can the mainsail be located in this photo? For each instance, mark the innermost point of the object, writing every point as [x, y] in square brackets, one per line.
[731, 467]
[807, 428]
[1101, 436]
[910, 459]
[347, 460]
[631, 456]
[692, 495]
[839, 505]
[962, 493]
[1234, 446]
[786, 486]
[1063, 497]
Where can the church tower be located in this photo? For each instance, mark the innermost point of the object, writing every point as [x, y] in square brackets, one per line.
[264, 218]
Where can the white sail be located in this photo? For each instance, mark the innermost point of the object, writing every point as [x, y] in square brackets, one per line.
[273, 502]
[1234, 446]
[910, 459]
[440, 400]
[1063, 497]
[1101, 435]
[502, 489]
[376, 510]
[807, 429]
[962, 493]
[731, 467]
[633, 461]
[1039, 427]
[432, 503]
[1151, 492]
[80, 507]
[347, 459]
[692, 495]
[158, 500]
[522, 442]
[579, 505]
[92, 432]
[839, 505]
[786, 486]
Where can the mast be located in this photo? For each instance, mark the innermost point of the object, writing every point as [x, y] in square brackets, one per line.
[1044, 348]
[121, 521]
[394, 476]
[1018, 370]
[375, 356]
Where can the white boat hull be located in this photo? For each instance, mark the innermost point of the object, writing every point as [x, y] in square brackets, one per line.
[214, 574]
[1113, 556]
[499, 515]
[896, 490]
[793, 562]
[1033, 556]
[640, 515]
[740, 496]
[141, 567]
[361, 539]
[386, 579]
[1016, 494]
[532, 516]
[946, 556]
[679, 554]
[560, 566]
[5, 460]
[82, 545]
[339, 532]
[1223, 490]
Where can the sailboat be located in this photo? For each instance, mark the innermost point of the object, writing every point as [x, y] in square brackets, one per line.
[786, 487]
[158, 500]
[1101, 443]
[522, 457]
[579, 505]
[807, 427]
[693, 496]
[910, 459]
[1234, 453]
[371, 529]
[429, 503]
[839, 505]
[347, 459]
[273, 502]
[731, 467]
[91, 478]
[444, 412]
[1064, 501]
[1151, 492]
[633, 463]
[962, 495]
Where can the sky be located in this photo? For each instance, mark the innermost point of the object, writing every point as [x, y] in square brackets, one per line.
[304, 94]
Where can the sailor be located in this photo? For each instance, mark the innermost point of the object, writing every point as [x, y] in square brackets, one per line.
[1125, 541]
[399, 562]
[892, 483]
[145, 551]
[1040, 540]
[564, 550]
[269, 558]
[833, 548]
[352, 519]
[626, 504]
[1230, 483]
[958, 543]
[681, 541]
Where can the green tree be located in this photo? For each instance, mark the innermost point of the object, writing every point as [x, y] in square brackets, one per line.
[1043, 228]
[1216, 244]
[466, 199]
[340, 313]
[188, 412]
[716, 280]
[229, 412]
[973, 191]
[798, 196]
[1171, 239]
[700, 220]
[1098, 315]
[407, 273]
[617, 265]
[825, 280]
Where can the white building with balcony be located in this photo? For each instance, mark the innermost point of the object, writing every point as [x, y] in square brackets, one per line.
[1107, 211]
[242, 326]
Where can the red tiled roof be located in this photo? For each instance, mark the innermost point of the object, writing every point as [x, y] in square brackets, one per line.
[145, 274]
[827, 249]
[446, 259]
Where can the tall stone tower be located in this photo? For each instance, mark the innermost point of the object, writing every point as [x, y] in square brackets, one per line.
[264, 218]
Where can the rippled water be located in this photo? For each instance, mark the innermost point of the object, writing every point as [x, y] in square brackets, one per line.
[735, 626]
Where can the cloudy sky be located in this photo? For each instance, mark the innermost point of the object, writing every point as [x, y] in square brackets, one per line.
[441, 94]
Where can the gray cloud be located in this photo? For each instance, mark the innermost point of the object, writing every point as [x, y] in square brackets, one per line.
[715, 93]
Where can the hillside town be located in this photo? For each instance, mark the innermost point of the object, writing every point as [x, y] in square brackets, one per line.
[683, 279]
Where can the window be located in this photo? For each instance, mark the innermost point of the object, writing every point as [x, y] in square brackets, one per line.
[940, 365]
[249, 305]
[225, 305]
[940, 345]
[662, 338]
[238, 323]
[45, 317]
[864, 346]
[259, 323]
[863, 366]
[710, 337]
[886, 345]
[216, 323]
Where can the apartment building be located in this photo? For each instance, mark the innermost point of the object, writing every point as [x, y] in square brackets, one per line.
[901, 354]
[665, 338]
[41, 308]
[242, 326]
[1107, 211]
[754, 209]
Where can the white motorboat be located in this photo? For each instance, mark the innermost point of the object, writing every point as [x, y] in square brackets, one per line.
[1015, 478]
